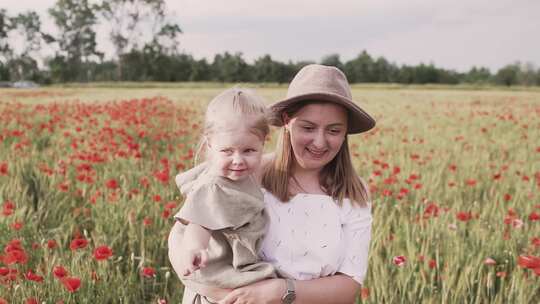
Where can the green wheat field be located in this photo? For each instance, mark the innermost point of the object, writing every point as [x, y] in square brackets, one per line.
[87, 191]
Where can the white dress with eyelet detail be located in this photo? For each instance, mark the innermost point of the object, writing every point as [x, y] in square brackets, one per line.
[311, 237]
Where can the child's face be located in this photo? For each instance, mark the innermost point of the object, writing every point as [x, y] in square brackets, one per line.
[234, 154]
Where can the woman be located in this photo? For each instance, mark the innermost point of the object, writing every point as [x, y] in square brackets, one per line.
[320, 214]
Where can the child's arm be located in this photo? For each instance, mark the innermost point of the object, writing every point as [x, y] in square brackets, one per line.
[193, 251]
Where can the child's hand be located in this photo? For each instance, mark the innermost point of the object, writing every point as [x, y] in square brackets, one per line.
[194, 259]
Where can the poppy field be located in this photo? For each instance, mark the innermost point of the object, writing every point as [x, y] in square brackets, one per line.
[87, 192]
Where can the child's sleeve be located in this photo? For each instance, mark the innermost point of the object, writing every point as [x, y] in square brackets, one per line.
[356, 222]
[216, 207]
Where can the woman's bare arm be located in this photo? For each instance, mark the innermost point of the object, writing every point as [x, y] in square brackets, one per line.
[333, 289]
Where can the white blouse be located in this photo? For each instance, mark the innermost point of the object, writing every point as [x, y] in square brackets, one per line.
[311, 237]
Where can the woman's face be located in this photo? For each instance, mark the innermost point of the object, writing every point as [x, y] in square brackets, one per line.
[317, 132]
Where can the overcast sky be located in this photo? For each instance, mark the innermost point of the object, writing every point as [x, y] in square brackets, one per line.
[454, 34]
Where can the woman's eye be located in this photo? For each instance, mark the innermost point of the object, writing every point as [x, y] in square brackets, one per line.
[308, 128]
[335, 131]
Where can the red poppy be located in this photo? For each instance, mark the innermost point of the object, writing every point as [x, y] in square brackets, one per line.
[507, 197]
[7, 208]
[32, 301]
[399, 260]
[534, 217]
[501, 274]
[71, 283]
[162, 176]
[51, 244]
[464, 216]
[15, 256]
[102, 253]
[364, 293]
[3, 169]
[535, 241]
[112, 184]
[59, 272]
[431, 210]
[148, 272]
[470, 182]
[432, 264]
[78, 243]
[170, 205]
[3, 301]
[17, 225]
[529, 261]
[31, 276]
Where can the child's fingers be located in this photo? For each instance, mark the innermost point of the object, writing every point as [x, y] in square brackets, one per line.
[204, 258]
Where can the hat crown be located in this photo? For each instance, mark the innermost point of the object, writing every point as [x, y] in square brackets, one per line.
[316, 78]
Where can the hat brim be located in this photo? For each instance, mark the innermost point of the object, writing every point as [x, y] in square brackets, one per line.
[359, 120]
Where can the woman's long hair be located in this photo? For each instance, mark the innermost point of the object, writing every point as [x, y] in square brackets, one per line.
[338, 177]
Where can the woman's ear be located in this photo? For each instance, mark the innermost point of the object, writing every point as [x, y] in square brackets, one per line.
[286, 120]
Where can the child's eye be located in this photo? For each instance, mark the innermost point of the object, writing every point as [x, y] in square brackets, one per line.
[308, 128]
[335, 131]
[250, 150]
[226, 151]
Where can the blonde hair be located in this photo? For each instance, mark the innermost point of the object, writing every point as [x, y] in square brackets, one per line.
[233, 106]
[338, 178]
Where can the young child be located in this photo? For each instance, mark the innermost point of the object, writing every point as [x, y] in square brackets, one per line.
[223, 218]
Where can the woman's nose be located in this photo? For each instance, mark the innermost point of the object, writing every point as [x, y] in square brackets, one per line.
[319, 141]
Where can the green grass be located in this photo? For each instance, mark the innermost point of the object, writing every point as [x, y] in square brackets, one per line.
[48, 135]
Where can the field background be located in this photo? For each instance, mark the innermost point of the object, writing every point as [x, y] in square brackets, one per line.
[454, 174]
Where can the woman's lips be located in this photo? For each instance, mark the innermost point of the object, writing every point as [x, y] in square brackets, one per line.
[315, 153]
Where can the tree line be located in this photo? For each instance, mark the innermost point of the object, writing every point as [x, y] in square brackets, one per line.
[146, 39]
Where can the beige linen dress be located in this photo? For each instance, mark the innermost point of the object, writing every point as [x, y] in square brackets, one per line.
[234, 213]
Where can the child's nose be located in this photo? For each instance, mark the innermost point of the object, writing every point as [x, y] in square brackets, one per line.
[237, 159]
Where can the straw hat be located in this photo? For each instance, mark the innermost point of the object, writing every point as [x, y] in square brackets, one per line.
[316, 82]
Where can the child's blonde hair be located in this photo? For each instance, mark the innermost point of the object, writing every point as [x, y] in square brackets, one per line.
[233, 106]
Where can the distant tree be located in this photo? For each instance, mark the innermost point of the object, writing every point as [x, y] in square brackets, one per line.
[477, 75]
[137, 25]
[5, 28]
[27, 28]
[230, 68]
[360, 69]
[75, 20]
[383, 71]
[425, 74]
[332, 60]
[134, 66]
[527, 74]
[4, 72]
[507, 75]
[266, 70]
[200, 70]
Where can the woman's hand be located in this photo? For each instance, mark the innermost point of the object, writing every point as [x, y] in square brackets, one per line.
[263, 292]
